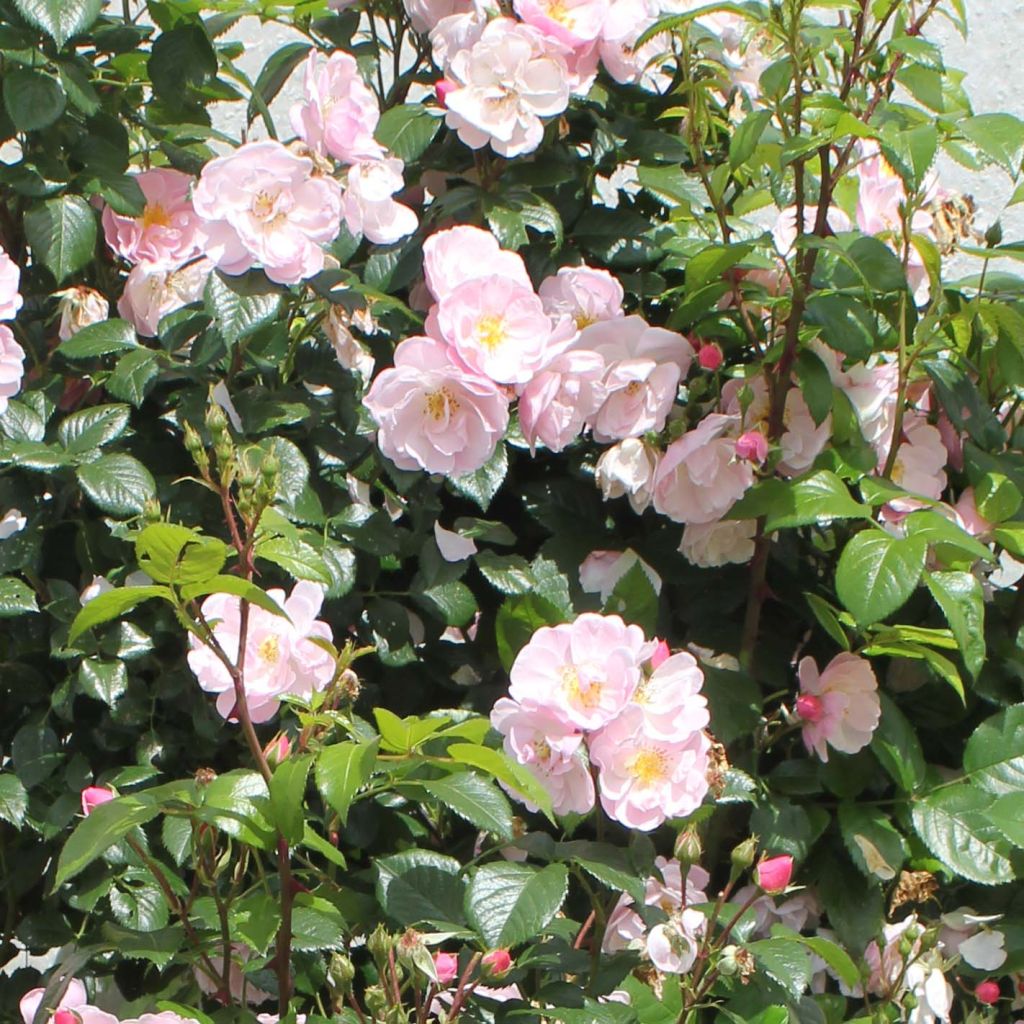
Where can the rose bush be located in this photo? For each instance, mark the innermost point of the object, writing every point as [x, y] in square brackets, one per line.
[540, 538]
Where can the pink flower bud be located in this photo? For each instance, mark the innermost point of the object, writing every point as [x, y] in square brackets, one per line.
[661, 654]
[809, 707]
[497, 962]
[64, 1017]
[447, 966]
[710, 357]
[774, 873]
[987, 992]
[441, 89]
[277, 750]
[752, 446]
[93, 796]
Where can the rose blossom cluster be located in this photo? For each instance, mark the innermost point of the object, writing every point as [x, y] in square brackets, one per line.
[505, 73]
[595, 693]
[336, 119]
[566, 350]
[74, 1008]
[12, 355]
[281, 653]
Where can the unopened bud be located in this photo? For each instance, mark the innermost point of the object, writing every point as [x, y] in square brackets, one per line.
[910, 1001]
[774, 873]
[380, 943]
[710, 357]
[993, 236]
[64, 1017]
[728, 965]
[809, 707]
[906, 947]
[743, 855]
[987, 992]
[216, 420]
[376, 1001]
[446, 967]
[752, 447]
[277, 750]
[270, 467]
[93, 796]
[688, 848]
[496, 963]
[151, 510]
[441, 89]
[340, 974]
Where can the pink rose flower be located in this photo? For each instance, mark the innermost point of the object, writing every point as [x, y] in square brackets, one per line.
[93, 796]
[446, 966]
[627, 63]
[368, 204]
[537, 737]
[339, 113]
[498, 328]
[645, 366]
[700, 478]
[602, 570]
[280, 656]
[12, 366]
[585, 671]
[465, 253]
[74, 996]
[628, 468]
[586, 294]
[515, 62]
[263, 204]
[840, 706]
[167, 234]
[920, 462]
[784, 231]
[670, 700]
[79, 307]
[672, 947]
[149, 295]
[752, 445]
[12, 522]
[556, 402]
[644, 781]
[724, 542]
[425, 14]
[10, 281]
[573, 23]
[773, 873]
[164, 1017]
[433, 414]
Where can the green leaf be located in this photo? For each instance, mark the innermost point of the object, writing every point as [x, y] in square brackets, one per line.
[90, 429]
[746, 137]
[786, 961]
[275, 72]
[112, 605]
[62, 234]
[342, 769]
[133, 375]
[847, 323]
[897, 747]
[512, 903]
[877, 572]
[454, 601]
[482, 485]
[834, 955]
[1006, 814]
[875, 846]
[711, 263]
[404, 735]
[518, 619]
[997, 497]
[510, 574]
[1000, 137]
[287, 796]
[60, 19]
[476, 799]
[236, 803]
[954, 825]
[804, 502]
[118, 484]
[105, 826]
[13, 799]
[180, 59]
[994, 755]
[960, 597]
[100, 339]
[104, 680]
[407, 130]
[36, 753]
[635, 599]
[420, 886]
[33, 99]
[947, 538]
[16, 598]
[296, 557]
[501, 767]
[241, 305]
[785, 827]
[815, 385]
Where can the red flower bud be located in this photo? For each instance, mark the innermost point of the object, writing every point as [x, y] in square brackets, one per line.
[441, 89]
[809, 707]
[93, 796]
[447, 966]
[987, 992]
[497, 962]
[774, 873]
[710, 357]
[64, 1017]
[752, 446]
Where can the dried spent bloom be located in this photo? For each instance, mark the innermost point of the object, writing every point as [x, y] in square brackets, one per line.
[79, 307]
[839, 706]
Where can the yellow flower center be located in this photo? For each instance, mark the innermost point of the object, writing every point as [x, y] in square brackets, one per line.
[543, 749]
[588, 697]
[584, 320]
[441, 403]
[648, 766]
[490, 332]
[633, 387]
[155, 215]
[264, 206]
[561, 12]
[269, 649]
